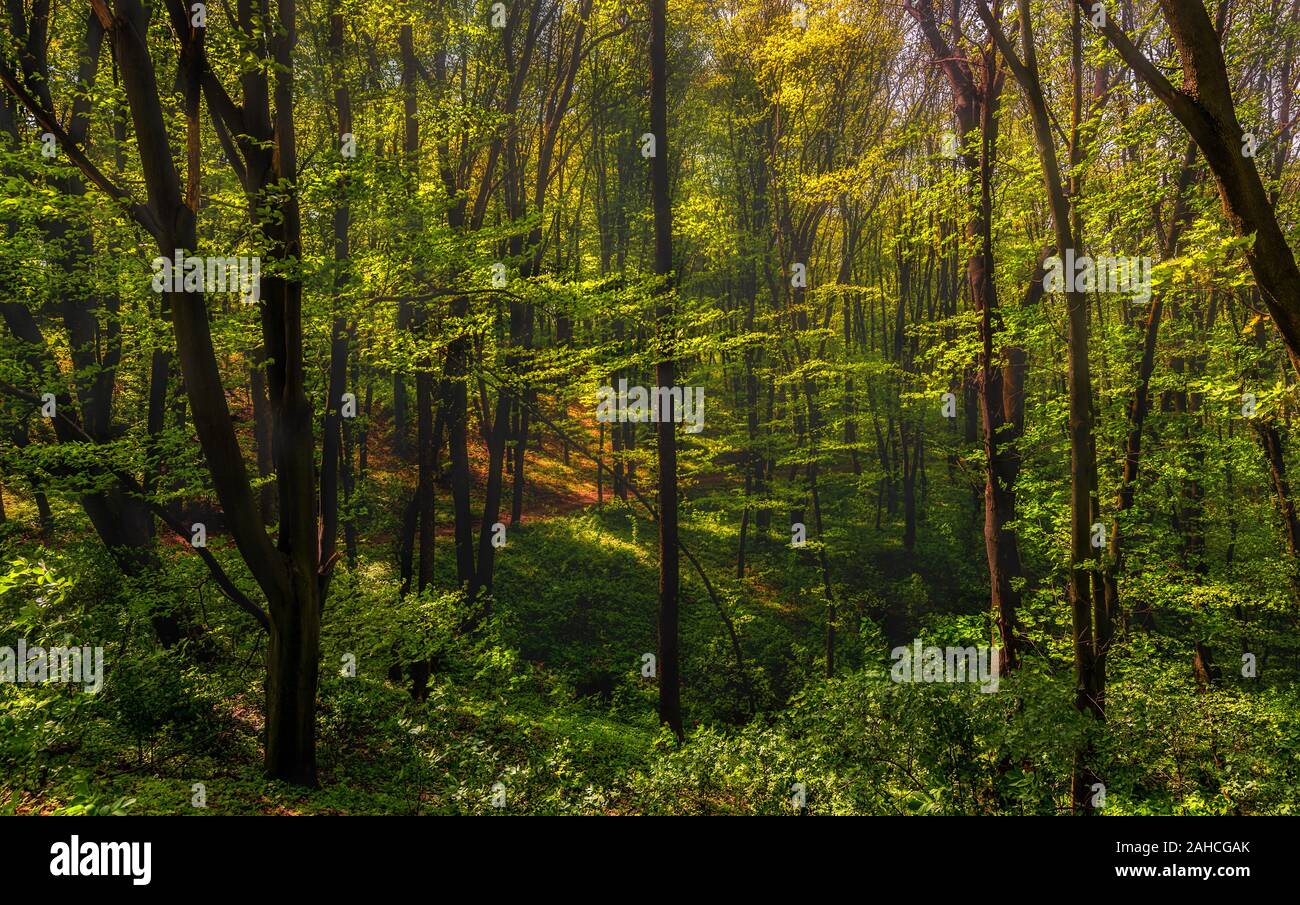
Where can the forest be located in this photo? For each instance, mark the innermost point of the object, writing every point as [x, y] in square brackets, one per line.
[649, 407]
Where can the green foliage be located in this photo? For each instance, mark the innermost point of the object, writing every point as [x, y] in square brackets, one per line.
[822, 145]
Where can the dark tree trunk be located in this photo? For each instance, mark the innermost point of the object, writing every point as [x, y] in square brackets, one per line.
[670, 705]
[999, 379]
[121, 520]
[262, 437]
[332, 453]
[1083, 464]
[456, 401]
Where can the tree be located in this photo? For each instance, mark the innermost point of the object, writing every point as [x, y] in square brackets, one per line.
[1090, 621]
[669, 662]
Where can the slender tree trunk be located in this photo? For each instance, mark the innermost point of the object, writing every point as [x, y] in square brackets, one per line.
[1083, 465]
[262, 437]
[670, 705]
[332, 439]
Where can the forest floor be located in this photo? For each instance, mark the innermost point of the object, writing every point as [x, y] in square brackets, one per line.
[549, 704]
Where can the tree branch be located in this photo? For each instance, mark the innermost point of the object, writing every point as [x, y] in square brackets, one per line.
[141, 213]
[132, 486]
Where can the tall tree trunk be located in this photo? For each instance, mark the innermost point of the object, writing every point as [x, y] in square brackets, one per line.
[294, 649]
[1083, 465]
[262, 436]
[999, 378]
[670, 704]
[332, 439]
